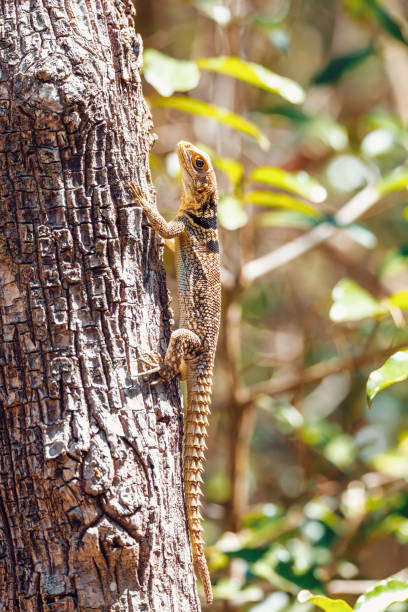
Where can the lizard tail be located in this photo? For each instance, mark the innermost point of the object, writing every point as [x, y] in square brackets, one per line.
[199, 385]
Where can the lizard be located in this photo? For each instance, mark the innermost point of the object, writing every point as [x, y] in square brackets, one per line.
[192, 347]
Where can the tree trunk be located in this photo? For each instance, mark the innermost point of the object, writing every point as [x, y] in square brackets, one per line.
[91, 503]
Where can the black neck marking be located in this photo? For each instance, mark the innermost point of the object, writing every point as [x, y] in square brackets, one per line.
[209, 205]
[205, 222]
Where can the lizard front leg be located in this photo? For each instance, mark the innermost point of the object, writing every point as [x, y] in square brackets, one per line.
[166, 229]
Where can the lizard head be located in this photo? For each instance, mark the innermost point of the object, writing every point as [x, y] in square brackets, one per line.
[198, 179]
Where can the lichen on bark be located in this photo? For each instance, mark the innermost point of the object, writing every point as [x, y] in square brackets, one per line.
[91, 503]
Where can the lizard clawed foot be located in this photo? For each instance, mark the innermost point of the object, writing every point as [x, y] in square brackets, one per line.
[139, 195]
[153, 361]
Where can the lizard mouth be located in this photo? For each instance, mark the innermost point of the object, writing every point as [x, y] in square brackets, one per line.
[183, 153]
[183, 144]
[182, 149]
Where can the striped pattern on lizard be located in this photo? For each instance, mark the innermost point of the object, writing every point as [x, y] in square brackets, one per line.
[192, 347]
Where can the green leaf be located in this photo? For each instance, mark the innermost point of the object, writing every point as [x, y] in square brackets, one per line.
[381, 596]
[294, 113]
[231, 213]
[300, 183]
[325, 603]
[385, 20]
[255, 74]
[399, 299]
[210, 111]
[394, 370]
[395, 181]
[337, 66]
[167, 74]
[352, 303]
[233, 169]
[281, 200]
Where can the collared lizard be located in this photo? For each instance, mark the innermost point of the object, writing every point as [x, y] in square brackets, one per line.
[193, 345]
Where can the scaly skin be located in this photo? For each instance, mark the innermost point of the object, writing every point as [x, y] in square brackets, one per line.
[193, 345]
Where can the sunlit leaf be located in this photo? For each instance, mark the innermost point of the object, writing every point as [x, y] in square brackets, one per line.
[395, 181]
[340, 450]
[280, 37]
[232, 168]
[328, 131]
[259, 515]
[275, 15]
[283, 218]
[228, 588]
[211, 111]
[393, 462]
[352, 303]
[300, 183]
[396, 262]
[216, 11]
[394, 370]
[382, 595]
[255, 74]
[399, 299]
[378, 142]
[276, 602]
[382, 120]
[272, 25]
[348, 172]
[324, 603]
[167, 74]
[337, 66]
[362, 235]
[231, 213]
[281, 200]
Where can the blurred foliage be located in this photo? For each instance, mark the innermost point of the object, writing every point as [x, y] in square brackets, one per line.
[302, 108]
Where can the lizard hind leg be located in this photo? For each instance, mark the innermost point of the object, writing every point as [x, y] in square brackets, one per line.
[183, 343]
[183, 370]
[152, 361]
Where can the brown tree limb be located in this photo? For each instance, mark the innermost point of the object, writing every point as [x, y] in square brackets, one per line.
[319, 371]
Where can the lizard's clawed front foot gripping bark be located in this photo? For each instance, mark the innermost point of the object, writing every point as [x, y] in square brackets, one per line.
[139, 195]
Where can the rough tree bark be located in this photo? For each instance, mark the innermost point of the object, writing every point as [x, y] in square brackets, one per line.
[91, 504]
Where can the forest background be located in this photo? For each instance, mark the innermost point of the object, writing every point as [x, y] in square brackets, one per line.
[303, 108]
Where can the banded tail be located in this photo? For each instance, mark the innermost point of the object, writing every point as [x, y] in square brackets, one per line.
[199, 384]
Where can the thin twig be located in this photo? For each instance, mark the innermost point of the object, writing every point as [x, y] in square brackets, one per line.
[349, 213]
[350, 587]
[320, 370]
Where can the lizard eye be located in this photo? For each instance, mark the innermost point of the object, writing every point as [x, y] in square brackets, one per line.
[199, 162]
